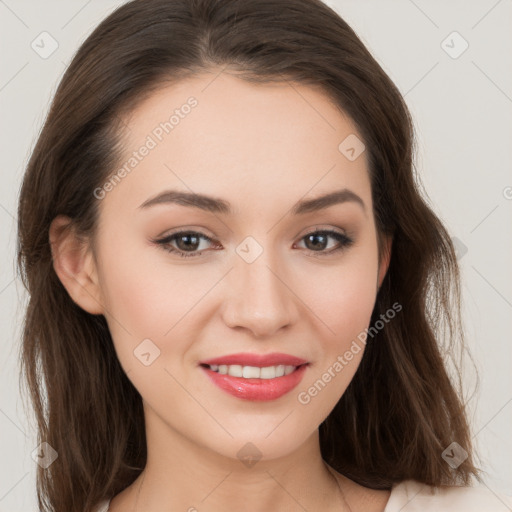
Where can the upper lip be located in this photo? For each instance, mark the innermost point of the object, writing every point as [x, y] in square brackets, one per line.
[258, 360]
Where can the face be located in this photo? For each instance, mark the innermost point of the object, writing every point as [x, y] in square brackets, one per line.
[183, 281]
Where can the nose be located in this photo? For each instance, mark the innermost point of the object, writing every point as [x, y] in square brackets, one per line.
[261, 300]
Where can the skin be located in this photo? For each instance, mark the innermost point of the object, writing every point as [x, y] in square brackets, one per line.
[262, 147]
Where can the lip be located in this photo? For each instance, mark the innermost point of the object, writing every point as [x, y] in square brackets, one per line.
[258, 360]
[256, 389]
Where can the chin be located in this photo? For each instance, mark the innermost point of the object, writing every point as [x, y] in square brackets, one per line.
[249, 447]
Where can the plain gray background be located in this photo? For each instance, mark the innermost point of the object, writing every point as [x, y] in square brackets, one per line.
[462, 107]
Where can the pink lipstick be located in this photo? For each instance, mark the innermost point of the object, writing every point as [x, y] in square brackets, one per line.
[259, 377]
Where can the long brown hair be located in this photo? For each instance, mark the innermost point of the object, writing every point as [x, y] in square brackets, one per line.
[401, 409]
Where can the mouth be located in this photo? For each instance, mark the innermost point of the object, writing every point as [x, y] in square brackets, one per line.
[259, 383]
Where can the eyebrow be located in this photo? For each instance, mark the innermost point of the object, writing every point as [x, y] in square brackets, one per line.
[216, 205]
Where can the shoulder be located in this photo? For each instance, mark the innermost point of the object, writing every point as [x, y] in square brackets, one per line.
[412, 496]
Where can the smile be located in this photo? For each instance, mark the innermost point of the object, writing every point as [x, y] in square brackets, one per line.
[255, 383]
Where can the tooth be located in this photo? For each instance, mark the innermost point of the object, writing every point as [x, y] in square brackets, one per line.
[251, 372]
[235, 370]
[280, 370]
[269, 372]
[288, 369]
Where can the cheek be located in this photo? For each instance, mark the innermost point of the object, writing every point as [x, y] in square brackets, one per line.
[342, 299]
[342, 296]
[138, 301]
[147, 297]
[140, 292]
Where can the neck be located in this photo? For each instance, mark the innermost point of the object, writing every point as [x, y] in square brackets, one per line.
[182, 475]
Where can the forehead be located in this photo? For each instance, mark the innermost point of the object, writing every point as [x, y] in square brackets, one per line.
[218, 134]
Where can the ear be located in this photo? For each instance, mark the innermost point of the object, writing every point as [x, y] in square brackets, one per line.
[74, 265]
[385, 258]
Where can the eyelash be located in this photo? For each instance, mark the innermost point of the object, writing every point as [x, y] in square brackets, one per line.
[344, 241]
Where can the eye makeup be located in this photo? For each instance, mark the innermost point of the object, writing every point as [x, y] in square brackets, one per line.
[193, 239]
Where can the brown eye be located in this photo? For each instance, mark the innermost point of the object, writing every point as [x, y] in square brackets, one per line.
[184, 243]
[318, 241]
[187, 242]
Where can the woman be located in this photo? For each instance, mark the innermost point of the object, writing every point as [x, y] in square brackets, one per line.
[293, 361]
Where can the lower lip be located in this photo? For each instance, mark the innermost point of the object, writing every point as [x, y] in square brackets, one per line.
[256, 389]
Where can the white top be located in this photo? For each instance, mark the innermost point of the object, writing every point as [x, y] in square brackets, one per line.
[412, 496]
